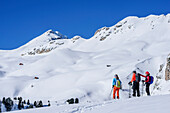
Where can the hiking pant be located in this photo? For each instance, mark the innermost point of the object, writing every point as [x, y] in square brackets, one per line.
[136, 89]
[147, 89]
[116, 89]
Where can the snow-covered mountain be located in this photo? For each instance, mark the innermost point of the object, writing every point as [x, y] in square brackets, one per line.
[44, 43]
[76, 67]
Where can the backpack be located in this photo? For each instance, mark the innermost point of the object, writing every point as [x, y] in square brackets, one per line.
[151, 79]
[138, 78]
[118, 83]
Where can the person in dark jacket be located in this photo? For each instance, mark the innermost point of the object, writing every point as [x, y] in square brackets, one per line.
[147, 80]
[135, 80]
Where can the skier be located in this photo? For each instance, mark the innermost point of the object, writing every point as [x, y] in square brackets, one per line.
[116, 85]
[147, 81]
[135, 80]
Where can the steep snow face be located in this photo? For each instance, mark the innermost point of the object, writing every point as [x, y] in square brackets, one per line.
[77, 67]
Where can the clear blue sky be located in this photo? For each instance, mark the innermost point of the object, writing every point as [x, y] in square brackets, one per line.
[23, 20]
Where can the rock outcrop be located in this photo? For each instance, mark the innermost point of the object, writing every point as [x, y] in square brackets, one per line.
[167, 70]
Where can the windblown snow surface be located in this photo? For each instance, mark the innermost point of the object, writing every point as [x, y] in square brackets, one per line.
[77, 68]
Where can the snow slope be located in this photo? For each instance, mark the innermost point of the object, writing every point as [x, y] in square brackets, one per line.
[77, 67]
[154, 104]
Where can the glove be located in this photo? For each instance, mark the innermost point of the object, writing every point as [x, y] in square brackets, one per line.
[143, 80]
[112, 86]
[130, 83]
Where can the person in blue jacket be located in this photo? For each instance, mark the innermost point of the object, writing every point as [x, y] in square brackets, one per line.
[116, 85]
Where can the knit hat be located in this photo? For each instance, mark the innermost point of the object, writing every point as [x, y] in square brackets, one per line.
[147, 73]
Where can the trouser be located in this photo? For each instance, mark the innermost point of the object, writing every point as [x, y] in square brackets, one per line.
[147, 89]
[136, 89]
[116, 89]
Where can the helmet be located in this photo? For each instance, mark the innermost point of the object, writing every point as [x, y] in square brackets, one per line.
[134, 72]
[147, 73]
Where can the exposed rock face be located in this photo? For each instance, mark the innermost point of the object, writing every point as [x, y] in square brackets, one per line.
[75, 38]
[167, 70]
[105, 32]
[104, 28]
[102, 33]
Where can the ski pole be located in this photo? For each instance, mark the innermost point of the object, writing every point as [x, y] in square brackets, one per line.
[142, 87]
[110, 92]
[129, 91]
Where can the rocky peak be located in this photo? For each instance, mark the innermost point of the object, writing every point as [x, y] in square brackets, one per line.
[44, 43]
[55, 35]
